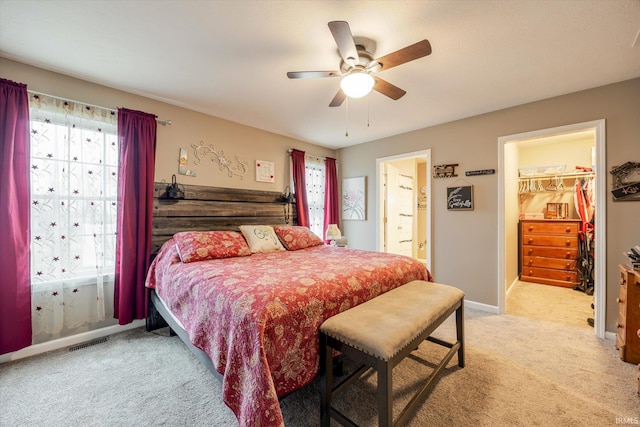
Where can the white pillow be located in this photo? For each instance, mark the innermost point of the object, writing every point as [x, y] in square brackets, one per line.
[261, 238]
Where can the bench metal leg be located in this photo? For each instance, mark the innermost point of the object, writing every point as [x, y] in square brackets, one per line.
[385, 394]
[326, 380]
[460, 332]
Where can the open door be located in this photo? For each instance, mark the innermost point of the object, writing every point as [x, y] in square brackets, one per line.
[399, 212]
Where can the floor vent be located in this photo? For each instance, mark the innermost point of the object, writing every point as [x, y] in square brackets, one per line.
[89, 344]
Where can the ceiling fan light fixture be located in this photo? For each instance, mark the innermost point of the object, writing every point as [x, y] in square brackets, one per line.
[357, 85]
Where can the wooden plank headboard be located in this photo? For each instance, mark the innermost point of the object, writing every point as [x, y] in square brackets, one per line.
[213, 208]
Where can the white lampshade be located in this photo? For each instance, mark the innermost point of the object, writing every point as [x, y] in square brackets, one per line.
[333, 232]
[357, 84]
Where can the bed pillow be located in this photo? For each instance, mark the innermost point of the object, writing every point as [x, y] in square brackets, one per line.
[261, 238]
[204, 245]
[297, 237]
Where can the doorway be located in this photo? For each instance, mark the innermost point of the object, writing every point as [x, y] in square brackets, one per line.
[508, 211]
[403, 214]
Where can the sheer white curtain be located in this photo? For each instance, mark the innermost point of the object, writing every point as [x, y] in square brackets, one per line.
[315, 181]
[74, 166]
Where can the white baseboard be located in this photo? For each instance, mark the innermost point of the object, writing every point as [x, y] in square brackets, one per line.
[482, 307]
[69, 341]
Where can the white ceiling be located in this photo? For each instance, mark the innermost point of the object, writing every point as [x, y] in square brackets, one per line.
[229, 58]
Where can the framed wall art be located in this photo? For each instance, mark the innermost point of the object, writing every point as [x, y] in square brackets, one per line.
[354, 199]
[460, 198]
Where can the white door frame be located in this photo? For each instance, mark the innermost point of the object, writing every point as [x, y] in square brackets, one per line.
[600, 218]
[426, 154]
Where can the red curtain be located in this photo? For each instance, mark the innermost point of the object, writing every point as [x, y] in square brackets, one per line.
[15, 283]
[137, 136]
[331, 214]
[300, 188]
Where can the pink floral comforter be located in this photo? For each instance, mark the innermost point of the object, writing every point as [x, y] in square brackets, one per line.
[257, 317]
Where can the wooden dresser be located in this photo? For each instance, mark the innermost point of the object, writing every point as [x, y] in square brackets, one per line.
[628, 336]
[548, 251]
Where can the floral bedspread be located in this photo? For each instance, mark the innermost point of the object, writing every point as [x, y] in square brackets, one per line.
[257, 317]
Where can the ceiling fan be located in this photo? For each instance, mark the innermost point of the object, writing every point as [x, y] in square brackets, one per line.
[358, 64]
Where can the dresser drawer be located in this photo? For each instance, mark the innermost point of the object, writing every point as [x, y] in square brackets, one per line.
[551, 227]
[545, 240]
[555, 263]
[550, 252]
[548, 273]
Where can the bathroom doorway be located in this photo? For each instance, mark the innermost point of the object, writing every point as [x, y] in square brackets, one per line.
[403, 185]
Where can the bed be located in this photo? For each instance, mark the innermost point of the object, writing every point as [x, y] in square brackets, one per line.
[253, 318]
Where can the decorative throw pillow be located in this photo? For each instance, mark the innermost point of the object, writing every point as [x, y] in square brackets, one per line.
[203, 245]
[261, 238]
[295, 237]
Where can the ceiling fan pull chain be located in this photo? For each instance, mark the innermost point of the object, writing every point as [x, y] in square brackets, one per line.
[368, 111]
[346, 109]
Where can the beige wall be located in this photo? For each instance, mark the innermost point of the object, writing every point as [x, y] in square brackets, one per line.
[189, 127]
[465, 242]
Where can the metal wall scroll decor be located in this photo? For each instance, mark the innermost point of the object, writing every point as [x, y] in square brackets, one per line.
[626, 181]
[445, 171]
[237, 168]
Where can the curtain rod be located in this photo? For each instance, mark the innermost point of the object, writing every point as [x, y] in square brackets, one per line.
[159, 121]
[308, 154]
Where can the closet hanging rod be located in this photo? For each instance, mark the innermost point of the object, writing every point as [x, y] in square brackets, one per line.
[565, 175]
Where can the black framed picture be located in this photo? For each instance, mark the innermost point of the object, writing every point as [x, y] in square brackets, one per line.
[460, 198]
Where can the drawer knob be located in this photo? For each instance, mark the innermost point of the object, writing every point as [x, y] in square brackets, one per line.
[638, 334]
[568, 243]
[568, 266]
[568, 254]
[530, 272]
[530, 262]
[530, 228]
[619, 301]
[530, 240]
[530, 251]
[568, 230]
[619, 325]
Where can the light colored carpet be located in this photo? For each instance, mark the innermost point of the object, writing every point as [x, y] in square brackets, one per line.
[520, 372]
[550, 303]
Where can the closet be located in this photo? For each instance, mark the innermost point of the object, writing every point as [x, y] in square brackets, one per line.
[556, 206]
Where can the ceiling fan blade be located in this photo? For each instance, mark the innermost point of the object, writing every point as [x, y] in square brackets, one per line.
[386, 88]
[312, 74]
[344, 39]
[406, 54]
[338, 99]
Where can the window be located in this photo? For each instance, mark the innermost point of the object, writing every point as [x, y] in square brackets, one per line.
[74, 178]
[315, 182]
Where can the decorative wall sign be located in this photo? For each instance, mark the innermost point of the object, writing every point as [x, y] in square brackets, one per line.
[445, 171]
[480, 172]
[264, 171]
[202, 151]
[354, 198]
[460, 198]
[626, 181]
[182, 164]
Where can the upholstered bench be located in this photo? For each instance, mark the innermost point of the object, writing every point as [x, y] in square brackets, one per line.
[380, 333]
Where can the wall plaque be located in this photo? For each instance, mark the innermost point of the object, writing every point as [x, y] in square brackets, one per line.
[460, 198]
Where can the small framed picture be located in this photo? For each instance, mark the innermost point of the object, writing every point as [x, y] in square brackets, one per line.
[460, 198]
[265, 171]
